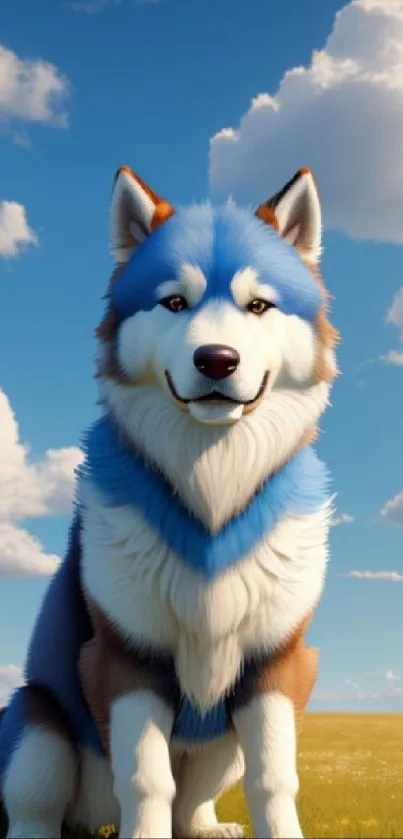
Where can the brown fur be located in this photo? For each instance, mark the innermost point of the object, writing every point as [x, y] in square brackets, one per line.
[150, 192]
[292, 671]
[163, 212]
[327, 334]
[266, 213]
[109, 669]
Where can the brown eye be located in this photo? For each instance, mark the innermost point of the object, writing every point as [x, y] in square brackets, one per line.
[175, 303]
[259, 307]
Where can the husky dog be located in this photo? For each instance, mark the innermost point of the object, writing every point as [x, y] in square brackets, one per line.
[168, 660]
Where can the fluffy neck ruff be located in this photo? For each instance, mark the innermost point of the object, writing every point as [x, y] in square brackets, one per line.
[125, 480]
[215, 471]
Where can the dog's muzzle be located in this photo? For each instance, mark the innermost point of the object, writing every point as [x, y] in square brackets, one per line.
[215, 408]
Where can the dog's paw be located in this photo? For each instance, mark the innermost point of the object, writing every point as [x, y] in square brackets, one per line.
[223, 830]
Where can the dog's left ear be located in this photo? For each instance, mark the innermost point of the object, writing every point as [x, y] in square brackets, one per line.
[296, 214]
[136, 211]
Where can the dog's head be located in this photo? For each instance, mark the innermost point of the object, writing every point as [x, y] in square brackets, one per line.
[218, 314]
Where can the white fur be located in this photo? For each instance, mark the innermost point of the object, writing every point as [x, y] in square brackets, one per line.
[156, 599]
[94, 803]
[39, 784]
[161, 340]
[205, 773]
[152, 344]
[216, 470]
[266, 729]
[161, 602]
[143, 781]
[300, 219]
[130, 204]
[245, 287]
[191, 284]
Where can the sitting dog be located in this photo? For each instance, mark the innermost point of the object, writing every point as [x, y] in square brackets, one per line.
[168, 660]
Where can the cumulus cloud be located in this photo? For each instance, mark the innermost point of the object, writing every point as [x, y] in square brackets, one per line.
[392, 512]
[394, 316]
[342, 115]
[10, 678]
[29, 489]
[343, 518]
[393, 357]
[392, 576]
[31, 89]
[22, 555]
[390, 676]
[15, 232]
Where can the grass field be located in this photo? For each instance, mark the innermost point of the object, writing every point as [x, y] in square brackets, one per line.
[351, 772]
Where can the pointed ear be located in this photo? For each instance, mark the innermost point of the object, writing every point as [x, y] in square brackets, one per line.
[296, 214]
[136, 211]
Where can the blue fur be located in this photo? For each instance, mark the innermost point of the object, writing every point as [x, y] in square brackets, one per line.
[12, 728]
[52, 664]
[123, 478]
[221, 241]
[193, 726]
[62, 628]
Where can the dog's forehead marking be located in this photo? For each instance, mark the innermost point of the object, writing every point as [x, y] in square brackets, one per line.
[216, 242]
[245, 286]
[191, 283]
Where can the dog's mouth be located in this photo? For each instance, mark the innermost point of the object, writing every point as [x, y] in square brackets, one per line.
[215, 396]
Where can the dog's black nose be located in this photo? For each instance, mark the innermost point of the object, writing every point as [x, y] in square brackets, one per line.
[216, 361]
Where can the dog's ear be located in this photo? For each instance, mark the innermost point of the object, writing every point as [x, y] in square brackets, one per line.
[296, 214]
[136, 211]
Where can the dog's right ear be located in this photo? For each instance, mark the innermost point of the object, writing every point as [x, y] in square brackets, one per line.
[136, 211]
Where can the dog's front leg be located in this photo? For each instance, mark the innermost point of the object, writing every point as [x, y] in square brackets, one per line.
[266, 730]
[266, 711]
[140, 730]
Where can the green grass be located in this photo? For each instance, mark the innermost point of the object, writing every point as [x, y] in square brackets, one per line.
[351, 773]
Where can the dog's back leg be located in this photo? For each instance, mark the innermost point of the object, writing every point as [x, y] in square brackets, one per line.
[203, 776]
[38, 765]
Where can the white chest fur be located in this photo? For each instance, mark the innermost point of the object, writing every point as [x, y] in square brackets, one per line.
[159, 601]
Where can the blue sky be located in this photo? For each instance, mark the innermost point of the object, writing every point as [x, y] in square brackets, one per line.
[150, 84]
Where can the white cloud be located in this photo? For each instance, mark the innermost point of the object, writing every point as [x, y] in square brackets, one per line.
[394, 316]
[29, 489]
[395, 313]
[343, 518]
[15, 232]
[392, 512]
[384, 694]
[392, 576]
[21, 555]
[10, 678]
[31, 89]
[393, 357]
[22, 139]
[342, 115]
[354, 685]
[391, 677]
